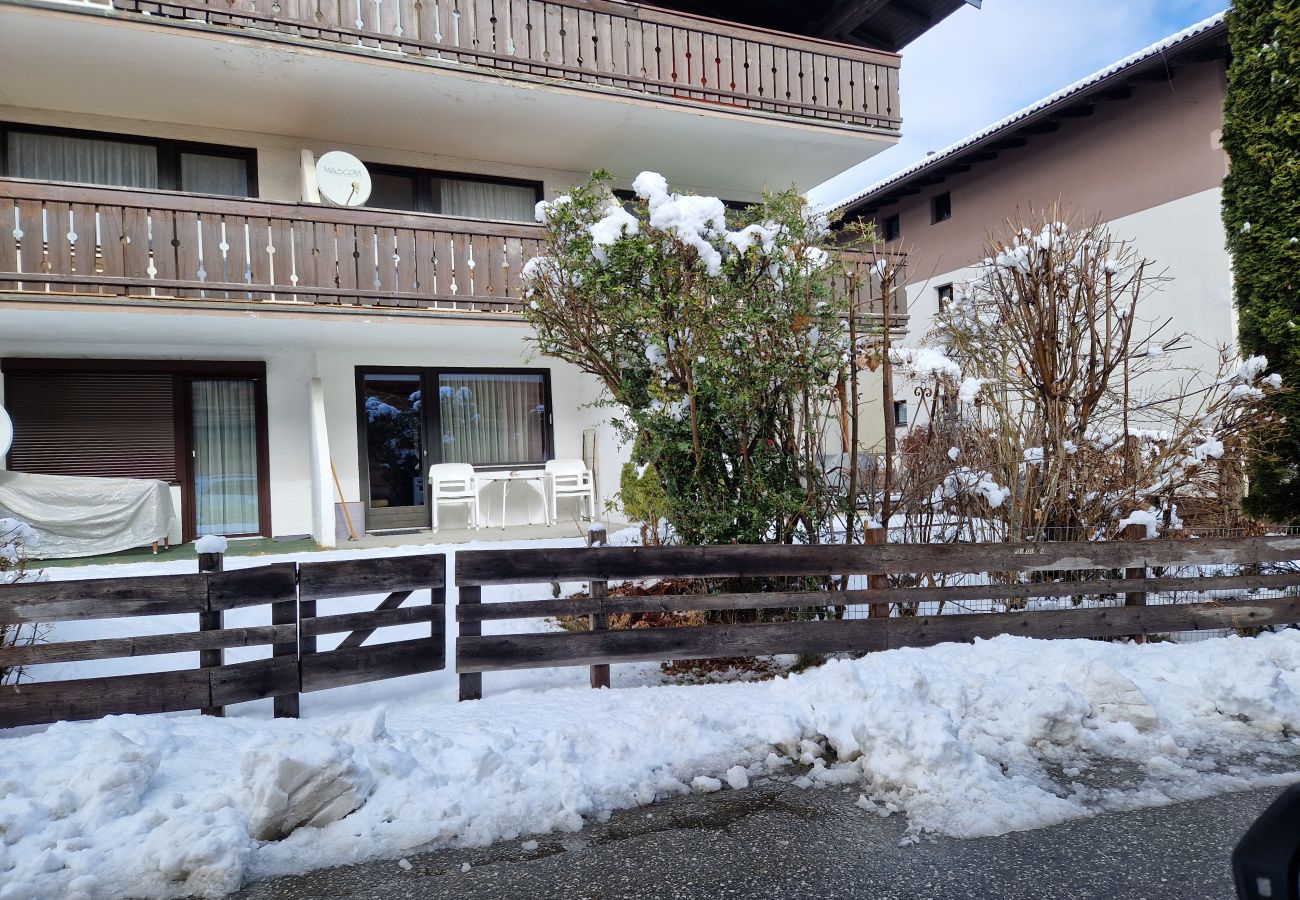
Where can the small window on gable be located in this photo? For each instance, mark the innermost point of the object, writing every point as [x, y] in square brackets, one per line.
[891, 228]
[945, 296]
[900, 413]
[941, 207]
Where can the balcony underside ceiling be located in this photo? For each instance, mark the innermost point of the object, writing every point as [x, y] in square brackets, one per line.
[879, 24]
[31, 328]
[197, 76]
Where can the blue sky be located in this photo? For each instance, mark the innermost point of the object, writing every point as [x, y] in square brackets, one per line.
[980, 65]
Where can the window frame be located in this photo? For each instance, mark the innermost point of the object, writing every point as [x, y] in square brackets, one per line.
[900, 406]
[169, 155]
[944, 293]
[941, 201]
[431, 424]
[427, 195]
[891, 228]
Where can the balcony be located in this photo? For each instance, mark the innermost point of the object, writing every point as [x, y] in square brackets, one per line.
[71, 242]
[589, 44]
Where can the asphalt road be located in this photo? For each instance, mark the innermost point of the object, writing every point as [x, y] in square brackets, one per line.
[777, 841]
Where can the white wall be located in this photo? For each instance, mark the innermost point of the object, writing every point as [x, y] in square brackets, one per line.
[295, 351]
[1185, 241]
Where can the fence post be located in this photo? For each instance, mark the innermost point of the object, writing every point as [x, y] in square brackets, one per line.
[285, 613]
[598, 537]
[876, 580]
[1135, 598]
[471, 683]
[599, 622]
[212, 621]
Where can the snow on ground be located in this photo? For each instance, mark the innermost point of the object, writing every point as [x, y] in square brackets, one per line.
[965, 740]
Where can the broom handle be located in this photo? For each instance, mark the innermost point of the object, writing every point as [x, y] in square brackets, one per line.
[347, 516]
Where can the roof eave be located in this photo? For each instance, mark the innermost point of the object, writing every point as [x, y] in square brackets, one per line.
[1104, 88]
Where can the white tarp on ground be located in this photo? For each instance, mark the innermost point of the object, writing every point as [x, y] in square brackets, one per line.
[87, 516]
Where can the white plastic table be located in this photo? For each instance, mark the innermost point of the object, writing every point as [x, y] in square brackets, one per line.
[540, 476]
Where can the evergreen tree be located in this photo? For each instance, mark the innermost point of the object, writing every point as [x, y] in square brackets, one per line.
[1261, 212]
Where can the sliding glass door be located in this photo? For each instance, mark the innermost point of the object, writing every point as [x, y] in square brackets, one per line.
[227, 490]
[394, 449]
[489, 418]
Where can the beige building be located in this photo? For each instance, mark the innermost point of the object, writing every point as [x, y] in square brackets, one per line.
[177, 303]
[1137, 145]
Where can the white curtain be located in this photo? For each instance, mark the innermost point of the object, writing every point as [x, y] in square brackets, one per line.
[493, 419]
[225, 456]
[202, 173]
[487, 200]
[56, 157]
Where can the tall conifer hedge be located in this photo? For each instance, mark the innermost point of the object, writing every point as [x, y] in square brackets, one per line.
[1261, 212]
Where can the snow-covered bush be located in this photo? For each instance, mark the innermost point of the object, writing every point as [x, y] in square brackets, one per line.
[16, 538]
[1055, 409]
[722, 339]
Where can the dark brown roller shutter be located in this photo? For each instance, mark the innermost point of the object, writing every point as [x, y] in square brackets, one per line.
[96, 424]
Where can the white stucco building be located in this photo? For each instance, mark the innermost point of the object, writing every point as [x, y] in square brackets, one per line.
[176, 302]
[1137, 146]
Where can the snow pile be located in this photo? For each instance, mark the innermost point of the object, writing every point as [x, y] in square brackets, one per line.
[692, 219]
[1144, 517]
[616, 223]
[964, 481]
[965, 740]
[924, 362]
[16, 536]
[211, 543]
[970, 389]
[289, 784]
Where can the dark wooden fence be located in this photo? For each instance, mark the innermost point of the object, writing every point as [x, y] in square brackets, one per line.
[1119, 570]
[1109, 586]
[295, 666]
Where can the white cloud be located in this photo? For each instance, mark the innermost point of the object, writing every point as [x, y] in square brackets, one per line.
[980, 65]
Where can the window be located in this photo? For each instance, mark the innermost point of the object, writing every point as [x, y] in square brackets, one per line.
[493, 419]
[945, 296]
[197, 424]
[470, 196]
[82, 157]
[900, 412]
[891, 228]
[941, 208]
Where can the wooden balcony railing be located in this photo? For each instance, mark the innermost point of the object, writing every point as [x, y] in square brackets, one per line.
[71, 239]
[109, 242]
[620, 46]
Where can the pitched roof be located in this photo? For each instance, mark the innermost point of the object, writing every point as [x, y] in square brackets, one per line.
[1209, 32]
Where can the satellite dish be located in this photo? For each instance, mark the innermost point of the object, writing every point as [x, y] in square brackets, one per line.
[6, 432]
[342, 179]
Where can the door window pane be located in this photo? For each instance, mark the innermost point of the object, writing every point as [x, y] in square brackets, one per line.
[203, 173]
[56, 157]
[393, 443]
[493, 418]
[225, 457]
[486, 199]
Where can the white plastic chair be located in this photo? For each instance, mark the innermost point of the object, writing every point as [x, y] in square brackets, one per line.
[570, 478]
[456, 484]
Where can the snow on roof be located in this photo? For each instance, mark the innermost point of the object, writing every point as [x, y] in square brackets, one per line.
[1114, 68]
